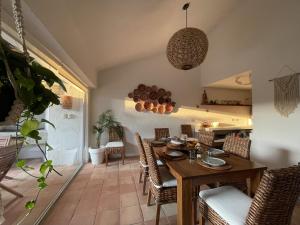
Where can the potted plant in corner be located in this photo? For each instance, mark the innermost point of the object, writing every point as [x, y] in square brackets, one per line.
[105, 121]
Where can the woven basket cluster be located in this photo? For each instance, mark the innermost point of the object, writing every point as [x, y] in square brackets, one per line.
[187, 48]
[152, 99]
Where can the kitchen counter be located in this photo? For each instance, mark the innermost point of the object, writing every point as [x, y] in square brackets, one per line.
[228, 128]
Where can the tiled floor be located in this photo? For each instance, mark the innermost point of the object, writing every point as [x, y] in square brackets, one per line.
[109, 196]
[15, 210]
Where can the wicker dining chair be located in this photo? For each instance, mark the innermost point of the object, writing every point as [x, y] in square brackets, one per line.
[206, 139]
[163, 186]
[187, 129]
[272, 204]
[237, 146]
[115, 145]
[161, 133]
[4, 141]
[7, 159]
[241, 148]
[144, 168]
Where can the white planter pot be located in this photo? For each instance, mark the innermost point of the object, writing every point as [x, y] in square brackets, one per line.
[97, 155]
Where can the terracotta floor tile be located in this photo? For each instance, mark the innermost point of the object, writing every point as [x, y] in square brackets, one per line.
[163, 221]
[126, 180]
[111, 189]
[108, 217]
[130, 215]
[170, 209]
[81, 218]
[149, 213]
[127, 188]
[129, 199]
[109, 201]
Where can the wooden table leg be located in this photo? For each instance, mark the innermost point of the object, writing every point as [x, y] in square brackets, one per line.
[254, 181]
[184, 202]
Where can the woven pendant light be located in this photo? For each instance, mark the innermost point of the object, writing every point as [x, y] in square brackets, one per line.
[188, 47]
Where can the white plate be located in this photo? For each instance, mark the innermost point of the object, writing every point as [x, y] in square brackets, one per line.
[176, 142]
[215, 151]
[192, 139]
[174, 153]
[212, 161]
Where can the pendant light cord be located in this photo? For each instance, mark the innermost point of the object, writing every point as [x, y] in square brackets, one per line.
[185, 8]
[186, 18]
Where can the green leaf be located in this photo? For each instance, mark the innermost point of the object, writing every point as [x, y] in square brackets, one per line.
[42, 185]
[49, 147]
[30, 204]
[47, 121]
[29, 126]
[41, 179]
[25, 82]
[34, 135]
[21, 163]
[47, 165]
[47, 75]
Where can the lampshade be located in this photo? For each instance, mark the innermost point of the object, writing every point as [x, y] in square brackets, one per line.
[66, 102]
[187, 48]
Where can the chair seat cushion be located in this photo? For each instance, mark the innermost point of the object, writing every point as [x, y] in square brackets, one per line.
[160, 163]
[168, 180]
[115, 144]
[229, 203]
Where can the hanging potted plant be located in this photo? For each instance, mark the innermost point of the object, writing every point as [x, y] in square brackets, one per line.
[105, 121]
[27, 84]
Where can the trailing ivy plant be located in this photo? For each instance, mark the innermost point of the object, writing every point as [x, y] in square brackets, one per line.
[30, 84]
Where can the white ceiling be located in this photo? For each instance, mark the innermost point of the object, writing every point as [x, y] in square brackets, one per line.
[240, 81]
[103, 34]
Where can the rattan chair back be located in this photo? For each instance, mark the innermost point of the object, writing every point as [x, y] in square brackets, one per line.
[153, 167]
[113, 135]
[7, 159]
[141, 149]
[237, 146]
[161, 133]
[4, 141]
[187, 129]
[206, 137]
[275, 197]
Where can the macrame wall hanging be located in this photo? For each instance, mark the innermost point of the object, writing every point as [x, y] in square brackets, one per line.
[286, 93]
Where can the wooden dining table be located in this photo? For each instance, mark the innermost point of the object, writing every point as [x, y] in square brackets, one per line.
[189, 174]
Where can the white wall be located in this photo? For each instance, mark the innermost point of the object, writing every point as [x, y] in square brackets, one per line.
[67, 139]
[261, 36]
[116, 83]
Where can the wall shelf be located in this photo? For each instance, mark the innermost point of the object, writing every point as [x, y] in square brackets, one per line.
[224, 105]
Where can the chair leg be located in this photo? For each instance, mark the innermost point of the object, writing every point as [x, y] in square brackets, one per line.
[11, 191]
[144, 184]
[149, 197]
[195, 210]
[201, 220]
[123, 155]
[141, 174]
[157, 213]
[106, 159]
